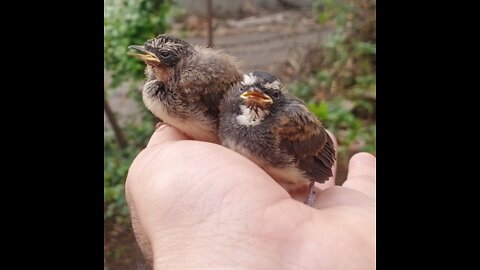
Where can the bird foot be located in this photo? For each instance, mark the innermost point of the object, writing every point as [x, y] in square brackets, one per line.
[311, 195]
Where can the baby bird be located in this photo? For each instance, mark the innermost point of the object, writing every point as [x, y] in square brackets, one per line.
[184, 84]
[274, 129]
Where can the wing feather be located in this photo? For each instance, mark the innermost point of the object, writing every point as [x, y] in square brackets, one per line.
[304, 138]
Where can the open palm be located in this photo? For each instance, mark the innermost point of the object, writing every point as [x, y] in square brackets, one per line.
[199, 205]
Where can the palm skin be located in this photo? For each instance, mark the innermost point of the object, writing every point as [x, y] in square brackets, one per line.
[198, 205]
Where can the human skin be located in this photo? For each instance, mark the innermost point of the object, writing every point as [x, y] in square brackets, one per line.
[198, 205]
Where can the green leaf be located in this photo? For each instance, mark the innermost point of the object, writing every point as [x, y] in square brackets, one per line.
[320, 109]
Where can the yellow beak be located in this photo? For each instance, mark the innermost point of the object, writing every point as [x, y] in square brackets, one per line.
[254, 94]
[147, 56]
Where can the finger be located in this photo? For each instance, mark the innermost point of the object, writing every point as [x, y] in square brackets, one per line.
[331, 181]
[162, 134]
[166, 133]
[362, 174]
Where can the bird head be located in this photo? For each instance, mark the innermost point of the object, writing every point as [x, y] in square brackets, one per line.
[164, 52]
[260, 90]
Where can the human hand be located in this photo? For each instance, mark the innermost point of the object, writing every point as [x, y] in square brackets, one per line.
[199, 205]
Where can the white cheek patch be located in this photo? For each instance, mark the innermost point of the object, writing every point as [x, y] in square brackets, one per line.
[273, 85]
[249, 79]
[251, 118]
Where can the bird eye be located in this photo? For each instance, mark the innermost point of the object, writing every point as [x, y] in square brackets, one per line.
[241, 89]
[165, 54]
[276, 94]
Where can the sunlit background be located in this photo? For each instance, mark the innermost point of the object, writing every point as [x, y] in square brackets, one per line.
[323, 50]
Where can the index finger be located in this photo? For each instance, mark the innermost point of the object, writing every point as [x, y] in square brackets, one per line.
[165, 133]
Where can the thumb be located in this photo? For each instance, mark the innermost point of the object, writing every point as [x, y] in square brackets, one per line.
[361, 174]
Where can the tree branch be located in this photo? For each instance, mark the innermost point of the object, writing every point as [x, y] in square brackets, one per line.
[122, 142]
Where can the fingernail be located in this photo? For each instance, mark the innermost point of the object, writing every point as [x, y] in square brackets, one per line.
[160, 125]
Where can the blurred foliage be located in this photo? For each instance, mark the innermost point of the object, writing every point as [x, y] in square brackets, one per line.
[353, 133]
[341, 87]
[349, 63]
[347, 58]
[127, 22]
[116, 164]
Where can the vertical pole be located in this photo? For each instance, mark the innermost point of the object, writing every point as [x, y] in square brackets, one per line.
[209, 21]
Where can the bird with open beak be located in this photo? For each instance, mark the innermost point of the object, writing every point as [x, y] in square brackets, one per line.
[185, 83]
[274, 129]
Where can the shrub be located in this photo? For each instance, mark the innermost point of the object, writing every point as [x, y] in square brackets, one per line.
[127, 22]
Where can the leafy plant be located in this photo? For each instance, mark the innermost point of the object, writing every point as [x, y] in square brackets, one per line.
[116, 164]
[127, 22]
[341, 89]
[349, 54]
[353, 134]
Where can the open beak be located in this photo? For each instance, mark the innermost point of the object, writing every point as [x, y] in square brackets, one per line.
[145, 55]
[254, 95]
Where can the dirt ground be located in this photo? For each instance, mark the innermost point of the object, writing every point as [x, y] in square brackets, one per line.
[268, 42]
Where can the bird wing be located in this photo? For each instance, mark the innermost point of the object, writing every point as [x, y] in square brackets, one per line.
[302, 136]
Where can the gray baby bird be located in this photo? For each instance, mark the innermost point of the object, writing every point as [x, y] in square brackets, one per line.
[274, 129]
[184, 84]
